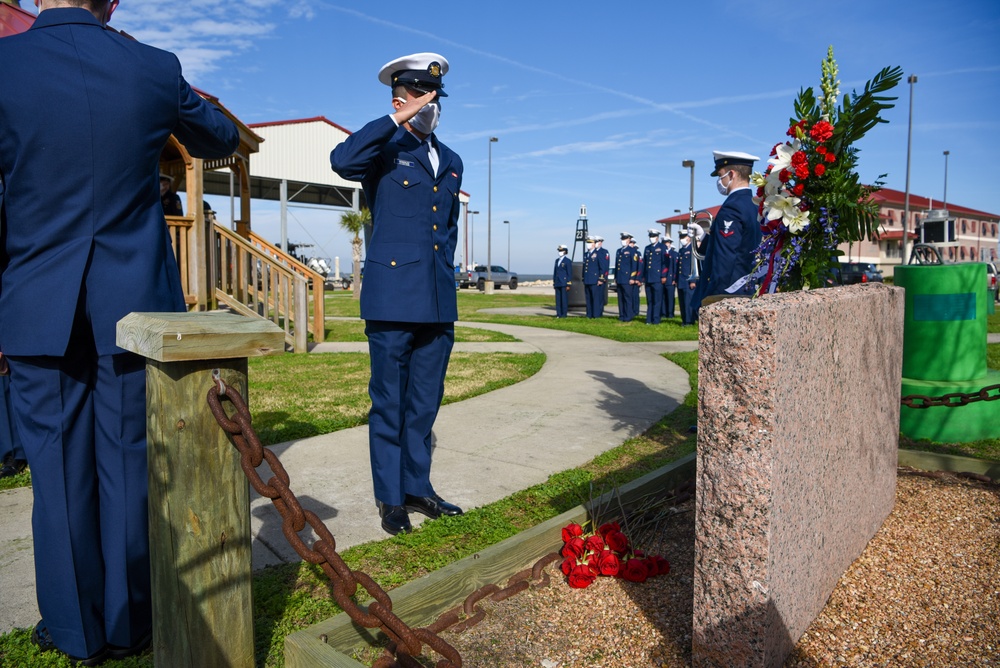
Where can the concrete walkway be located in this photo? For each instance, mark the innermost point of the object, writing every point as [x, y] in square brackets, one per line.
[591, 395]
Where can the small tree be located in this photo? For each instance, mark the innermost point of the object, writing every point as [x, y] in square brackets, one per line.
[354, 222]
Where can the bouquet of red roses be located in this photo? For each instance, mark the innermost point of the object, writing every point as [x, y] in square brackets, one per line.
[606, 552]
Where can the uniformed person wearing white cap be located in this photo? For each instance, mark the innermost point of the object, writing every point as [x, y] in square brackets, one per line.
[596, 264]
[729, 246]
[626, 274]
[411, 182]
[655, 266]
[562, 278]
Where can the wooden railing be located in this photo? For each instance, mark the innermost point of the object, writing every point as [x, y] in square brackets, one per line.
[179, 229]
[254, 278]
[315, 281]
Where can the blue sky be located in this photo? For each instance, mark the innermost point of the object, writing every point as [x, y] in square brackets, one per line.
[598, 103]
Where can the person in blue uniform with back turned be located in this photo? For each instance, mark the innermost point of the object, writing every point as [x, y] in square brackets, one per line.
[625, 275]
[685, 286]
[411, 181]
[729, 246]
[655, 265]
[12, 457]
[562, 278]
[84, 118]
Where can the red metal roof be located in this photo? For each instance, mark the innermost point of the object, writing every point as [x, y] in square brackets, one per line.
[314, 119]
[14, 20]
[895, 235]
[885, 196]
[686, 216]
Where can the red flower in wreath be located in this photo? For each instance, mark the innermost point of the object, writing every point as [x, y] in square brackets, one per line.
[821, 131]
[820, 169]
[830, 157]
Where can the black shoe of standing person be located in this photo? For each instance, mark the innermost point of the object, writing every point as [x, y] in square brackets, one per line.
[433, 506]
[11, 467]
[41, 638]
[394, 518]
[118, 653]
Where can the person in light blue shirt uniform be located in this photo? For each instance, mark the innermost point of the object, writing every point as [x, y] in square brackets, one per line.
[735, 234]
[562, 278]
[596, 265]
[411, 180]
[655, 266]
[626, 275]
[683, 276]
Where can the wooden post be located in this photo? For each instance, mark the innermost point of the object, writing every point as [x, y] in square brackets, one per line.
[199, 505]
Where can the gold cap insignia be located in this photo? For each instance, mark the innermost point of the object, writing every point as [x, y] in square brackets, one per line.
[434, 70]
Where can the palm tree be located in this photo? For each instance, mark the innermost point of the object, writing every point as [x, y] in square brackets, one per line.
[354, 222]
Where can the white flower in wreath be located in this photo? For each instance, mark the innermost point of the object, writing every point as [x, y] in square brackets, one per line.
[787, 209]
[783, 155]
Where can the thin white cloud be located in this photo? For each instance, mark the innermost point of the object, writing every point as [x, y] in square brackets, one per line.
[205, 34]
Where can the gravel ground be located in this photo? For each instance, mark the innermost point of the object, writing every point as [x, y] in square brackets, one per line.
[925, 592]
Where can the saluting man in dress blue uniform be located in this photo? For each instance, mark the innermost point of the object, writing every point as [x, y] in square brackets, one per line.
[596, 265]
[626, 267]
[655, 268]
[685, 286]
[730, 244]
[411, 181]
[84, 117]
[562, 278]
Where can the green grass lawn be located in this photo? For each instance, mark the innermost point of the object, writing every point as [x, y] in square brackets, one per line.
[471, 303]
[293, 596]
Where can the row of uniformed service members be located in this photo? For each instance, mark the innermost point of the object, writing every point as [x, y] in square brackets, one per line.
[659, 268]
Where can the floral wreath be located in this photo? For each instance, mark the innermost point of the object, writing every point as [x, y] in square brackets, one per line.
[810, 199]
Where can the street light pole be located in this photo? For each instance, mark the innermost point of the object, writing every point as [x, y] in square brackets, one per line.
[944, 203]
[912, 79]
[507, 223]
[489, 219]
[472, 238]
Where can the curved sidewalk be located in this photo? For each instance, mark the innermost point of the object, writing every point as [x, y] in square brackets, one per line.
[591, 395]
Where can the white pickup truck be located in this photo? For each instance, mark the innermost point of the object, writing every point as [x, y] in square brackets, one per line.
[477, 277]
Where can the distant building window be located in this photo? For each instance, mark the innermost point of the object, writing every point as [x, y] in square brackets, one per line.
[972, 227]
[964, 229]
[963, 252]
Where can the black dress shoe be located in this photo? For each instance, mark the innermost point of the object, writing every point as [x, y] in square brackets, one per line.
[433, 506]
[11, 467]
[40, 637]
[394, 518]
[118, 653]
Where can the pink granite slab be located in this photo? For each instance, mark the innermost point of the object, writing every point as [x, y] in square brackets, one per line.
[798, 427]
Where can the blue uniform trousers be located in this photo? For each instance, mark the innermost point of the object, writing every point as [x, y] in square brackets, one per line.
[624, 301]
[562, 302]
[10, 444]
[668, 299]
[654, 301]
[83, 422]
[685, 297]
[595, 300]
[408, 365]
[635, 288]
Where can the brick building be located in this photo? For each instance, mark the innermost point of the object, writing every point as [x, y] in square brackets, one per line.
[977, 232]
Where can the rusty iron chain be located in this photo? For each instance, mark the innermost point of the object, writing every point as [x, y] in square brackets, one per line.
[405, 643]
[953, 399]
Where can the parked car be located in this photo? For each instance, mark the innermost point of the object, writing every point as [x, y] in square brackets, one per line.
[859, 272]
[992, 285]
[498, 275]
